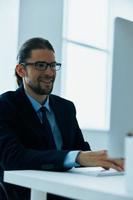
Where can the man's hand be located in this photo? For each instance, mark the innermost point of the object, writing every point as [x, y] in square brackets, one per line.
[99, 159]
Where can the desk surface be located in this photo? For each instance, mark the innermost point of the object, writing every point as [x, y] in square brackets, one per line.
[71, 184]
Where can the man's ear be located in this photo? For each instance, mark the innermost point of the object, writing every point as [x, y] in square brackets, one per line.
[20, 70]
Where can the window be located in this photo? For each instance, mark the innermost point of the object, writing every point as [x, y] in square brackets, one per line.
[85, 53]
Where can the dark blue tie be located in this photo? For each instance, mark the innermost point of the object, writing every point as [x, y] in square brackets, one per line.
[47, 127]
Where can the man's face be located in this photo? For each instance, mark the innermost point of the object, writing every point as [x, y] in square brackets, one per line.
[40, 82]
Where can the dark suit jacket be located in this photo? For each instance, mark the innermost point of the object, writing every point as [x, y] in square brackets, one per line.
[23, 143]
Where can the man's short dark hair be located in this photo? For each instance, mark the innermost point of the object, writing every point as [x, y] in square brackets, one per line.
[25, 51]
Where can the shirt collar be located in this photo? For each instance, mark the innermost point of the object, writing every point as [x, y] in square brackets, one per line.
[36, 105]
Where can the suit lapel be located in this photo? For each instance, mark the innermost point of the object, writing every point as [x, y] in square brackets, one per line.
[60, 119]
[26, 110]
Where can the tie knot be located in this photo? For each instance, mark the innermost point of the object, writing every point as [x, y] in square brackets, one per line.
[43, 109]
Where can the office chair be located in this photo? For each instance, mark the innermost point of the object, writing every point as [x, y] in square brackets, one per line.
[3, 192]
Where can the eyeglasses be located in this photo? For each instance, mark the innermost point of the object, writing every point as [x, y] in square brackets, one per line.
[42, 66]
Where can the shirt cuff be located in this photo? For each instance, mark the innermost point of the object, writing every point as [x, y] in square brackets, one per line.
[70, 160]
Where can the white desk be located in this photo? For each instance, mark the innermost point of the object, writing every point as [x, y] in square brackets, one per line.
[68, 184]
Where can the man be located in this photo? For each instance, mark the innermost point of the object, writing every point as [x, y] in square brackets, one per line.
[39, 130]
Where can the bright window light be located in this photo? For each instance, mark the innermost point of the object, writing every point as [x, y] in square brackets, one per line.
[87, 21]
[85, 71]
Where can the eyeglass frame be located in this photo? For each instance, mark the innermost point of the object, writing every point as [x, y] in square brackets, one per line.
[43, 62]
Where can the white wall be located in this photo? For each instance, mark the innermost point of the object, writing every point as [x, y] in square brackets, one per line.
[9, 11]
[121, 8]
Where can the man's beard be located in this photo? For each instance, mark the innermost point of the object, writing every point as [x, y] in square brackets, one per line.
[38, 89]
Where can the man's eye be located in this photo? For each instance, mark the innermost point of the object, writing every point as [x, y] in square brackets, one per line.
[41, 65]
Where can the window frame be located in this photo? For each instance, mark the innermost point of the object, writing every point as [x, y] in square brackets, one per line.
[94, 47]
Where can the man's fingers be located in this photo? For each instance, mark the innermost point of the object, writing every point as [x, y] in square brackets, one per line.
[119, 163]
[108, 164]
[99, 159]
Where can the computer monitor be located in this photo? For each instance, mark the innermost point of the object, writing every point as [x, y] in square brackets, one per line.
[121, 113]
